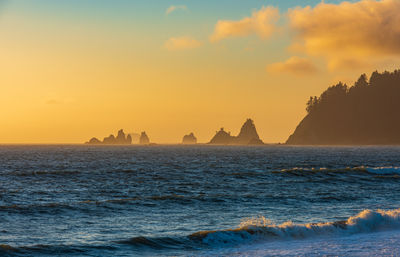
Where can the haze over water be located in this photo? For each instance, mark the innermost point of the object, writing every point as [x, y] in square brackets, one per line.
[162, 200]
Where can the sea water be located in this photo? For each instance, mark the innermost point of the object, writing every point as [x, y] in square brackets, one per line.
[76, 200]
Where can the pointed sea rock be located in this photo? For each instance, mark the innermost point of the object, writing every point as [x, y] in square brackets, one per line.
[248, 134]
[144, 139]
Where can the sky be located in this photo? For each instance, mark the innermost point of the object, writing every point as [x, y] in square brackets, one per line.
[72, 70]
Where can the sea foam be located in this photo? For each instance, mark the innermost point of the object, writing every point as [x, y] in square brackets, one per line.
[385, 170]
[260, 229]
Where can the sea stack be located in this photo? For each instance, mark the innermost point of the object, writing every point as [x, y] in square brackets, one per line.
[222, 138]
[144, 139]
[94, 141]
[121, 139]
[248, 136]
[109, 140]
[189, 139]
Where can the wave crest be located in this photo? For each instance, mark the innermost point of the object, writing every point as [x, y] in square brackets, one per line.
[387, 170]
[261, 229]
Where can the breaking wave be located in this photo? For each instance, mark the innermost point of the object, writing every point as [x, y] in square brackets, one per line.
[261, 229]
[252, 230]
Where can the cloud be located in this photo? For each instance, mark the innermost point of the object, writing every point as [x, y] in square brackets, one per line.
[181, 43]
[261, 23]
[348, 34]
[294, 65]
[173, 8]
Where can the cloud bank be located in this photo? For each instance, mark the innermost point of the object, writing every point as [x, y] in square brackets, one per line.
[347, 33]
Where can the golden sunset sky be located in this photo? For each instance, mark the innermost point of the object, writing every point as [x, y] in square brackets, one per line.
[72, 70]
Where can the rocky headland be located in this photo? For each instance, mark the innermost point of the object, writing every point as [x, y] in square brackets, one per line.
[365, 114]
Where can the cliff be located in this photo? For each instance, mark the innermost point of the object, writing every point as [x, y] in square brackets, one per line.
[189, 139]
[248, 136]
[364, 114]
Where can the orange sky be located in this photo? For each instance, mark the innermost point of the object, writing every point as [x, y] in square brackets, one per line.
[69, 73]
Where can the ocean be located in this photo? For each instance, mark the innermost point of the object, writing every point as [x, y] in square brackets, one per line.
[79, 200]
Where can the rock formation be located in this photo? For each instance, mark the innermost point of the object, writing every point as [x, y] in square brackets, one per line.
[365, 114]
[222, 138]
[94, 141]
[144, 139]
[248, 136]
[189, 139]
[109, 140]
[121, 139]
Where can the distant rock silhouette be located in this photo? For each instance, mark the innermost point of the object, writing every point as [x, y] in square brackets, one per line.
[248, 136]
[109, 140]
[94, 141]
[144, 139]
[121, 139]
[366, 113]
[128, 139]
[222, 138]
[189, 139]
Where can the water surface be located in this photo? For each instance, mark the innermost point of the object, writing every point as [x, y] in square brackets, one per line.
[163, 200]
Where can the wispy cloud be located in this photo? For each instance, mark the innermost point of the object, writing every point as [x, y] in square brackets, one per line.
[174, 8]
[294, 65]
[181, 43]
[261, 23]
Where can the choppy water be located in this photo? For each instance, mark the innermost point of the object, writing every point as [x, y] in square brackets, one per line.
[198, 200]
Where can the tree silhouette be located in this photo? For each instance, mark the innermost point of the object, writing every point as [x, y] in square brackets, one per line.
[366, 113]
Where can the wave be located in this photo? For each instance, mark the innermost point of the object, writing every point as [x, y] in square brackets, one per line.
[140, 200]
[260, 229]
[253, 230]
[384, 170]
[51, 250]
[389, 170]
